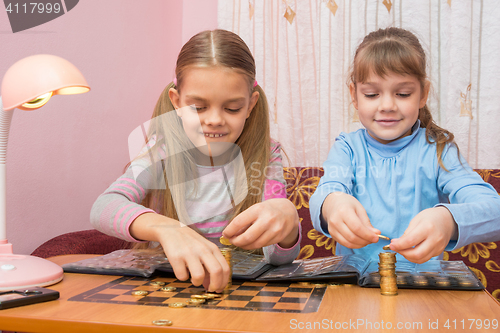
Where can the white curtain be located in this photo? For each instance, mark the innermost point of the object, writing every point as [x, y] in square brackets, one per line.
[303, 50]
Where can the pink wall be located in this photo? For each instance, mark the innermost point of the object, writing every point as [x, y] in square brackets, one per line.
[61, 157]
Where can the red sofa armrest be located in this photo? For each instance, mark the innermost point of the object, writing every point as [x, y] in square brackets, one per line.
[80, 242]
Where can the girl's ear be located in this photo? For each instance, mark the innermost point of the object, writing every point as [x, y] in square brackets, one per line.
[173, 94]
[253, 101]
[425, 94]
[352, 91]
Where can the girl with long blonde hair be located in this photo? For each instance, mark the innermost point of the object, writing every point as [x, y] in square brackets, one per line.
[209, 168]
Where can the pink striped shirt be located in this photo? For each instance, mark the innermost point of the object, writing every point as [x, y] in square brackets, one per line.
[209, 207]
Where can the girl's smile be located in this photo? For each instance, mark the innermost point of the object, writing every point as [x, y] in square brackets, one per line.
[388, 106]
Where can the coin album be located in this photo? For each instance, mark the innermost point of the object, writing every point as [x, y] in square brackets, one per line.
[246, 266]
[353, 269]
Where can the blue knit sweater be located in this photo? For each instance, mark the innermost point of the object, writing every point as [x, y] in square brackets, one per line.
[396, 181]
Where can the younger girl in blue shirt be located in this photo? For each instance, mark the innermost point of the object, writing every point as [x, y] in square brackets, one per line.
[402, 176]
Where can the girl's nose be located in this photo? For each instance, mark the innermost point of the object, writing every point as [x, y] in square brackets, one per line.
[387, 103]
[214, 117]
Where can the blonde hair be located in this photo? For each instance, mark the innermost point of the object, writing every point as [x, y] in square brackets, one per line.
[395, 50]
[217, 48]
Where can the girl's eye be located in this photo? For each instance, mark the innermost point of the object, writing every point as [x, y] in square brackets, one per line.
[371, 95]
[197, 108]
[404, 95]
[233, 110]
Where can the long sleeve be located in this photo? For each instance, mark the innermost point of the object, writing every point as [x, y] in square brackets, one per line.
[338, 176]
[396, 181]
[119, 205]
[275, 187]
[474, 204]
[115, 209]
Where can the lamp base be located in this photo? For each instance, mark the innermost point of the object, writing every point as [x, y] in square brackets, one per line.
[24, 271]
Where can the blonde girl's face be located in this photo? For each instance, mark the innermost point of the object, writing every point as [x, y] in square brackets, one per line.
[388, 107]
[213, 104]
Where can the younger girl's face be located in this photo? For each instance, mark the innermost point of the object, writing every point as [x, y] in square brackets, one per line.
[213, 103]
[388, 107]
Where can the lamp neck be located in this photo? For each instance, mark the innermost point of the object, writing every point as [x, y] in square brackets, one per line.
[5, 119]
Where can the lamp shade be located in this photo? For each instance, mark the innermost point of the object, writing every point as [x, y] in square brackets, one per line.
[35, 76]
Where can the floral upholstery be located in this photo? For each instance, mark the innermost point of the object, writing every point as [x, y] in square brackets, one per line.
[482, 258]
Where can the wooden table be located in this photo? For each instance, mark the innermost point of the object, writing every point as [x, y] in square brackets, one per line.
[344, 308]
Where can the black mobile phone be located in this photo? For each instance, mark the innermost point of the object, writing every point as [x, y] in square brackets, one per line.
[13, 298]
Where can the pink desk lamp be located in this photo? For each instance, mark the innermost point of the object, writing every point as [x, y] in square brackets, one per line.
[28, 85]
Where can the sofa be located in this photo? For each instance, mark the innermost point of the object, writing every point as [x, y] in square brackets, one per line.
[482, 258]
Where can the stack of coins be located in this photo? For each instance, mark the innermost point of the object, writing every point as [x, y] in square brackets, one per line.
[387, 271]
[227, 253]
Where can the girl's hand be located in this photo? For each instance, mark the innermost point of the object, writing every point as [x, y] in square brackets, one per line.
[427, 235]
[265, 223]
[348, 223]
[189, 253]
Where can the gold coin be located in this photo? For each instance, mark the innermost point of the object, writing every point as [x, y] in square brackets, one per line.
[162, 322]
[212, 296]
[177, 305]
[387, 267]
[442, 282]
[420, 280]
[465, 283]
[140, 293]
[387, 247]
[158, 283]
[168, 289]
[224, 241]
[384, 237]
[320, 285]
[202, 296]
[196, 301]
[305, 283]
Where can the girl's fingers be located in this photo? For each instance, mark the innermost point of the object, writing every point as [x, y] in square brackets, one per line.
[358, 228]
[180, 270]
[343, 234]
[371, 232]
[255, 236]
[341, 239]
[420, 253]
[411, 238]
[197, 271]
[241, 222]
[224, 274]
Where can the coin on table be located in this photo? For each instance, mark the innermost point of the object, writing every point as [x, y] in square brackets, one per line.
[224, 241]
[158, 283]
[140, 292]
[202, 296]
[196, 301]
[320, 285]
[177, 305]
[212, 295]
[162, 322]
[168, 289]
